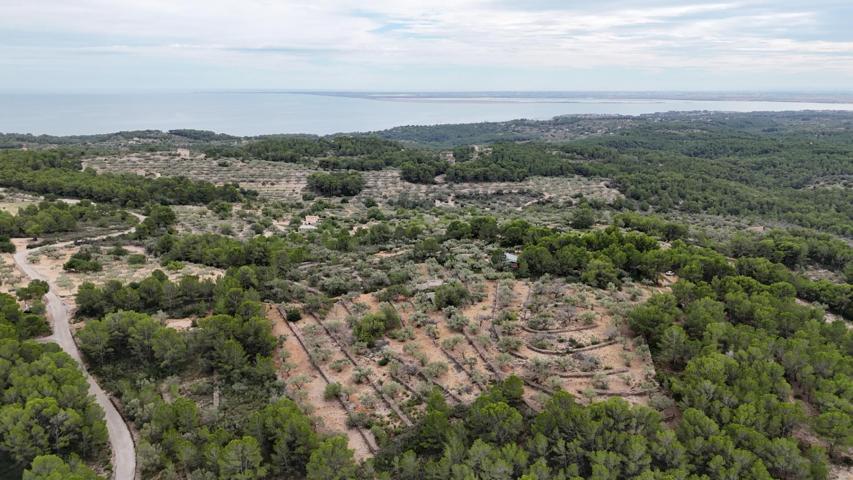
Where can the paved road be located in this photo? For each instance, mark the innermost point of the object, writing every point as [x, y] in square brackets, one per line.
[124, 454]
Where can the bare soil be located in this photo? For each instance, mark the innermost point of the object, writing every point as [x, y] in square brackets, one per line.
[330, 416]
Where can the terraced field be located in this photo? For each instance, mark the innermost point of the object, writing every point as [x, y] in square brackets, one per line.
[287, 181]
[550, 333]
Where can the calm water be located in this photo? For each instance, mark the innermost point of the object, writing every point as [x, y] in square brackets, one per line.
[255, 114]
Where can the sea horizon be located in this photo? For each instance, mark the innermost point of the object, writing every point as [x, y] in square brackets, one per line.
[320, 112]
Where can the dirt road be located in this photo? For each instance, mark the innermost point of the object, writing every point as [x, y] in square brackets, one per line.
[124, 454]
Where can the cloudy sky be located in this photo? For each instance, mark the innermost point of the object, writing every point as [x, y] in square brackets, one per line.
[70, 45]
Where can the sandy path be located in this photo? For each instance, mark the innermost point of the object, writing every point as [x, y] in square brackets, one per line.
[121, 441]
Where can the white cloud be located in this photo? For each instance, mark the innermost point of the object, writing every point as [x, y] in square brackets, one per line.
[334, 36]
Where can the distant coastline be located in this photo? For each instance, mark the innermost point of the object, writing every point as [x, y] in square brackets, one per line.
[574, 96]
[261, 112]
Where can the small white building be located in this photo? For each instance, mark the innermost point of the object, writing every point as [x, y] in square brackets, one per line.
[511, 259]
[309, 223]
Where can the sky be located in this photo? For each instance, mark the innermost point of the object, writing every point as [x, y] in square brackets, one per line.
[407, 45]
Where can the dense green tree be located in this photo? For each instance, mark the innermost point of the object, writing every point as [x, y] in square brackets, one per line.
[836, 427]
[241, 460]
[285, 435]
[450, 294]
[47, 409]
[458, 230]
[336, 184]
[427, 248]
[17, 324]
[34, 290]
[495, 422]
[6, 246]
[675, 347]
[332, 460]
[600, 272]
[57, 172]
[701, 313]
[484, 228]
[582, 218]
[158, 220]
[654, 317]
[435, 425]
[51, 467]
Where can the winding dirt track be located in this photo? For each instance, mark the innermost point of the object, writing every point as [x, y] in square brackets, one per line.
[121, 441]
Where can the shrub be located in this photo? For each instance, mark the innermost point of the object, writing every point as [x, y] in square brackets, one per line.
[82, 261]
[35, 289]
[373, 326]
[583, 218]
[174, 266]
[390, 315]
[360, 375]
[456, 321]
[332, 391]
[435, 370]
[599, 381]
[509, 344]
[451, 294]
[292, 314]
[339, 365]
[6, 246]
[358, 419]
[370, 328]
[660, 402]
[587, 318]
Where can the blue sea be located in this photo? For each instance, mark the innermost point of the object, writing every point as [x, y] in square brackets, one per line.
[246, 113]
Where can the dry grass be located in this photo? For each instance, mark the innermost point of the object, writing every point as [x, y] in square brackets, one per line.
[49, 261]
[13, 200]
[10, 277]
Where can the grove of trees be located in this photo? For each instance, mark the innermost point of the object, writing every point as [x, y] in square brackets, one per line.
[47, 417]
[48, 217]
[58, 172]
[336, 184]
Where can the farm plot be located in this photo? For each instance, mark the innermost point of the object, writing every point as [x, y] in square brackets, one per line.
[501, 196]
[276, 180]
[287, 181]
[240, 223]
[49, 262]
[565, 336]
[423, 358]
[550, 333]
[307, 382]
[327, 369]
[381, 386]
